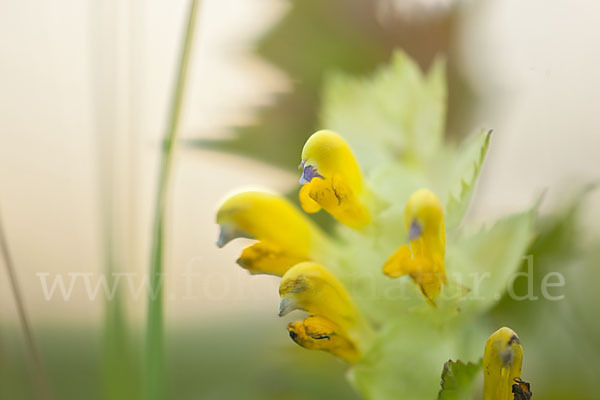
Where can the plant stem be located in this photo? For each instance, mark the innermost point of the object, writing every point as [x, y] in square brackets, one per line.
[38, 373]
[154, 363]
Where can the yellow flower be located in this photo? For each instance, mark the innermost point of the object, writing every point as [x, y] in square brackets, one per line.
[502, 361]
[285, 237]
[312, 288]
[332, 180]
[423, 257]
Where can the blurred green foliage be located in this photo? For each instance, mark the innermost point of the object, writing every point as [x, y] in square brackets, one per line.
[318, 37]
[240, 359]
[561, 338]
[71, 355]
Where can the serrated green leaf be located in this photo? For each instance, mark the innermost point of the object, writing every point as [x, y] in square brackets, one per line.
[460, 198]
[398, 114]
[484, 261]
[457, 379]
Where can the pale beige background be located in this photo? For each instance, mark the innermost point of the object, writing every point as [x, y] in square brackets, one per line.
[77, 76]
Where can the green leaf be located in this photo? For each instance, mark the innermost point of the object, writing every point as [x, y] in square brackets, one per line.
[398, 114]
[484, 261]
[457, 379]
[557, 247]
[458, 203]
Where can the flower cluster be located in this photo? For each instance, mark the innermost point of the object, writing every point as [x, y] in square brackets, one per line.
[289, 245]
[397, 286]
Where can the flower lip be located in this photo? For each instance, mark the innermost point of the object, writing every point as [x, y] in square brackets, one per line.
[308, 173]
[319, 333]
[292, 333]
[415, 230]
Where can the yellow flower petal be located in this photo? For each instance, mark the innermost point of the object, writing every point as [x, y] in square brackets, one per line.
[285, 236]
[423, 258]
[403, 263]
[307, 203]
[502, 361]
[318, 333]
[332, 180]
[312, 288]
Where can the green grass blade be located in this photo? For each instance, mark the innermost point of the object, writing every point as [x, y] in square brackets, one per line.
[154, 375]
[119, 371]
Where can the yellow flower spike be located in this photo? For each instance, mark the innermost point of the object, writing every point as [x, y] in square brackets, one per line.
[332, 180]
[423, 257]
[502, 361]
[285, 237]
[318, 333]
[312, 288]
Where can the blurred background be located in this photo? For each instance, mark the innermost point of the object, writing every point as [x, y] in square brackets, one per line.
[86, 88]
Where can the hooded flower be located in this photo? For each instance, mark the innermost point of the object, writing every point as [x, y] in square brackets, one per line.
[332, 180]
[502, 360]
[423, 257]
[285, 237]
[335, 323]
